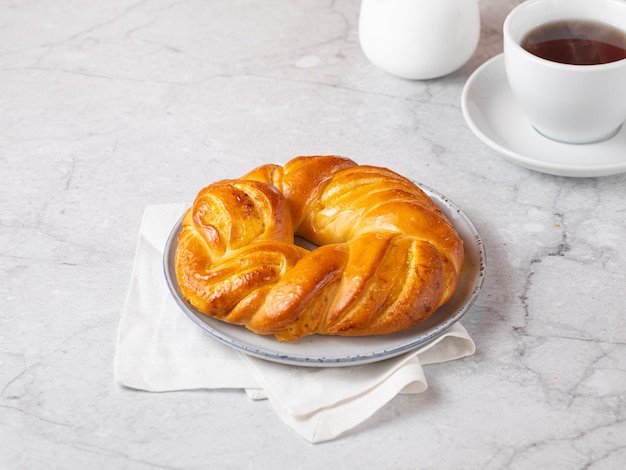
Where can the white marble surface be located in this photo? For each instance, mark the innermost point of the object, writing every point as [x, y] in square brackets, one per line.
[106, 107]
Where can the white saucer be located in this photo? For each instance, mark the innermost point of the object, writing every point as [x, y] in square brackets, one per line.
[492, 114]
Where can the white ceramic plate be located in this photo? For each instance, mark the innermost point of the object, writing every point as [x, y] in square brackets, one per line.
[333, 351]
[492, 114]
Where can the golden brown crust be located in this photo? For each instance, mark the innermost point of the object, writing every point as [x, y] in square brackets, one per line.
[387, 257]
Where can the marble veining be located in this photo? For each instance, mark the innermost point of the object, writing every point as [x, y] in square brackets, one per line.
[106, 107]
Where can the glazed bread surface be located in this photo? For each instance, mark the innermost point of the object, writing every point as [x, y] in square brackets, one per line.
[387, 256]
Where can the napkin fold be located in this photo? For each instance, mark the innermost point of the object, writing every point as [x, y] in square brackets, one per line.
[160, 349]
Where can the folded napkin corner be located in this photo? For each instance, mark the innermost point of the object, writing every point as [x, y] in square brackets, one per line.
[160, 349]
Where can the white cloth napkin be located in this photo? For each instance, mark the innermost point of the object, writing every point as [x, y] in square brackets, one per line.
[160, 349]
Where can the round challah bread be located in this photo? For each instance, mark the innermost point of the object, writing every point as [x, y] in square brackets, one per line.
[387, 256]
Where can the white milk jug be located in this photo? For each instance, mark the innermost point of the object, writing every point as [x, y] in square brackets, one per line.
[419, 39]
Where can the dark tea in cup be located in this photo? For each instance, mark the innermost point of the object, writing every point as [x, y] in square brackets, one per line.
[576, 42]
[577, 95]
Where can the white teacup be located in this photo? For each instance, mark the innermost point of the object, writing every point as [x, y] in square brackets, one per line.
[568, 103]
[419, 39]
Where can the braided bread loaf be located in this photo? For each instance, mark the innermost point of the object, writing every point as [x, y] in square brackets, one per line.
[387, 256]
